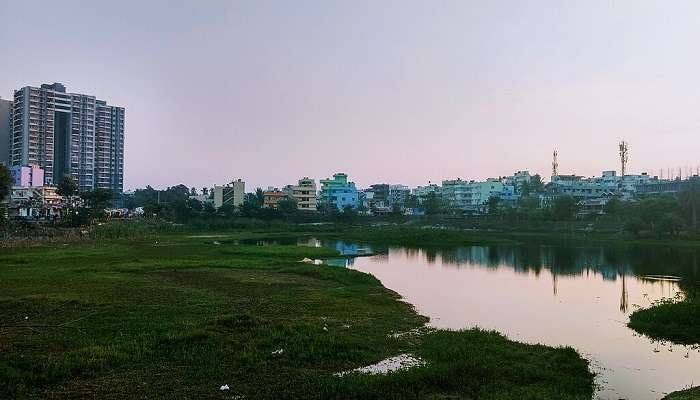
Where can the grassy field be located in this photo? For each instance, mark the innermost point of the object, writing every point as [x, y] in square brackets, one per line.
[177, 316]
[689, 394]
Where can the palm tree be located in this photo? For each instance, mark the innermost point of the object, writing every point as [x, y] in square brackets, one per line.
[689, 197]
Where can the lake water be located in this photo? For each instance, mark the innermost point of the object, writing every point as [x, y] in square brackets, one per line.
[555, 295]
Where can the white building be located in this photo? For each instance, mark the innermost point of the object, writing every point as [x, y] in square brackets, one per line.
[304, 192]
[231, 193]
[398, 195]
[609, 184]
[474, 195]
[518, 179]
[35, 202]
[422, 192]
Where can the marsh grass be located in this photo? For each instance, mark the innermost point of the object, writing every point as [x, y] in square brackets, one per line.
[175, 315]
[688, 394]
[670, 319]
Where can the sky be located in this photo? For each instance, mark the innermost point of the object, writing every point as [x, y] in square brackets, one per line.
[386, 91]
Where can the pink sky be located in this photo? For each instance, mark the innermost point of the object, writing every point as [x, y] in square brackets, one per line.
[390, 91]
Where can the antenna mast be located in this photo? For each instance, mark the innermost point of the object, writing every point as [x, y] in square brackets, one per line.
[623, 156]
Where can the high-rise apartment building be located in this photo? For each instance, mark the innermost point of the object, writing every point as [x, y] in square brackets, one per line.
[68, 134]
[5, 123]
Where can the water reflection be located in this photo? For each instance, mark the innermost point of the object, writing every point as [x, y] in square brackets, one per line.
[558, 295]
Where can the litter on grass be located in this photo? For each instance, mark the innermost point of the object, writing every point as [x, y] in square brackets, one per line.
[224, 387]
[307, 260]
[391, 364]
[280, 351]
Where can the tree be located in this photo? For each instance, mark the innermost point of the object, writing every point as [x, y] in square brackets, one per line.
[287, 206]
[670, 224]
[5, 182]
[396, 211]
[535, 185]
[129, 202]
[348, 215]
[5, 186]
[195, 205]
[689, 199]
[229, 210]
[209, 208]
[260, 196]
[193, 191]
[67, 187]
[529, 203]
[151, 207]
[411, 201]
[564, 208]
[493, 205]
[653, 209]
[612, 207]
[251, 205]
[433, 204]
[634, 226]
[96, 201]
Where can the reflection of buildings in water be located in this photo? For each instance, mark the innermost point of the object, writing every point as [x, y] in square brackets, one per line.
[346, 249]
[382, 258]
[340, 262]
[309, 242]
[610, 263]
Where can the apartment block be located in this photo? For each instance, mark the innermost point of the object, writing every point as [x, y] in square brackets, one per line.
[231, 193]
[27, 176]
[68, 134]
[272, 197]
[338, 192]
[304, 192]
[5, 129]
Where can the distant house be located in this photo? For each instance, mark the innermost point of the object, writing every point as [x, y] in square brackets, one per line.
[338, 192]
[35, 203]
[304, 192]
[272, 197]
[591, 207]
[473, 196]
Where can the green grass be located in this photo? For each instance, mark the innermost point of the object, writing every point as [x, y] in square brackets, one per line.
[176, 316]
[689, 394]
[677, 321]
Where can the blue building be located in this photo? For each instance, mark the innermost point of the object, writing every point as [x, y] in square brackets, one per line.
[339, 192]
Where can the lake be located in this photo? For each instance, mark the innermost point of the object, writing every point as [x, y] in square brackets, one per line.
[579, 296]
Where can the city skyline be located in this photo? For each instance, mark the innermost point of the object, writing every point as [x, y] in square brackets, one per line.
[416, 93]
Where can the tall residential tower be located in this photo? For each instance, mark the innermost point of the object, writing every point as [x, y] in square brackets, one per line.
[5, 123]
[68, 134]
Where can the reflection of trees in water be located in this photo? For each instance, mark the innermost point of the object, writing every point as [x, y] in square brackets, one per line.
[624, 298]
[610, 262]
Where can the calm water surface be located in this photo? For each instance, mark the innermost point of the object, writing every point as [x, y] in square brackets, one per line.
[555, 295]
